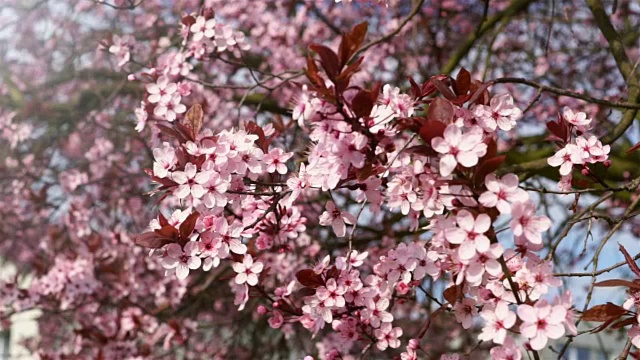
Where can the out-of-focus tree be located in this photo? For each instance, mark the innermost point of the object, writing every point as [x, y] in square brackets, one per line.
[340, 180]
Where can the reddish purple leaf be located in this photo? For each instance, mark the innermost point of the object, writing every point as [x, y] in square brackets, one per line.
[440, 110]
[151, 240]
[604, 312]
[309, 278]
[632, 264]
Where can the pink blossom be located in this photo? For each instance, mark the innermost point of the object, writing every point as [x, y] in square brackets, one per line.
[247, 270]
[501, 193]
[306, 106]
[508, 351]
[579, 119]
[331, 294]
[276, 160]
[337, 219]
[180, 260]
[469, 234]
[565, 158]
[161, 91]
[387, 336]
[526, 223]
[484, 262]
[498, 319]
[592, 149]
[190, 182]
[121, 47]
[377, 314]
[541, 322]
[354, 259]
[465, 311]
[566, 300]
[230, 237]
[458, 148]
[203, 28]
[165, 160]
[501, 112]
[276, 320]
[170, 109]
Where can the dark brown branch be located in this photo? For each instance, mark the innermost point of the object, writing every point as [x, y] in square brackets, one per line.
[568, 93]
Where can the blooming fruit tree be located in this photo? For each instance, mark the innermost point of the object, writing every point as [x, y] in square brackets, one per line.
[302, 183]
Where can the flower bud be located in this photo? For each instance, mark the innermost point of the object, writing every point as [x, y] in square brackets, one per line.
[262, 310]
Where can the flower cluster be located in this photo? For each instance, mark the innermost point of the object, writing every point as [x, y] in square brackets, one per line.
[210, 35]
[586, 149]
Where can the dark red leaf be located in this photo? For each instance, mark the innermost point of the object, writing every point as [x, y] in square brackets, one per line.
[333, 273]
[351, 42]
[413, 123]
[624, 322]
[618, 282]
[342, 81]
[429, 87]
[305, 291]
[328, 60]
[481, 95]
[487, 167]
[358, 34]
[463, 82]
[187, 226]
[492, 148]
[632, 264]
[443, 88]
[309, 278]
[416, 92]
[168, 232]
[252, 128]
[184, 131]
[603, 326]
[312, 74]
[171, 132]
[633, 148]
[362, 103]
[431, 129]
[162, 220]
[193, 120]
[151, 240]
[188, 21]
[453, 294]
[604, 312]
[440, 110]
[425, 150]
